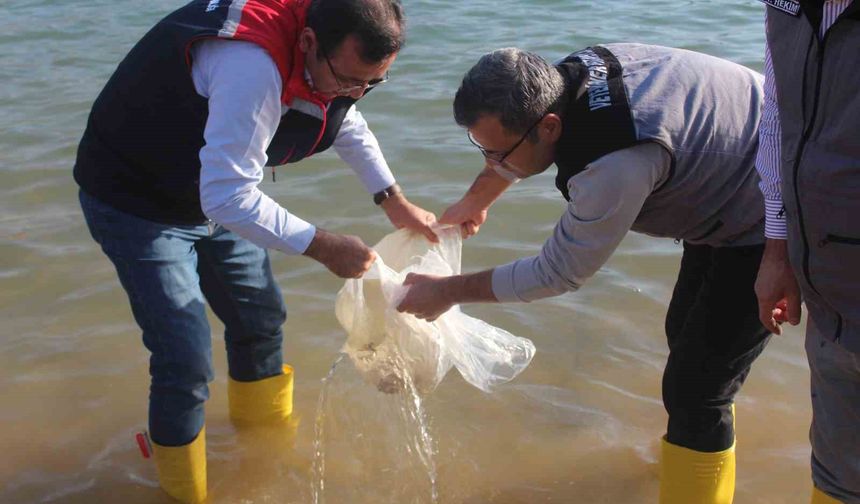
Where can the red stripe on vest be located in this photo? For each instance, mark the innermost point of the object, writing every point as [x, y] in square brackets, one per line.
[275, 25]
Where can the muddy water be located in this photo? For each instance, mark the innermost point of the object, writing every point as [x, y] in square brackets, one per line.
[580, 425]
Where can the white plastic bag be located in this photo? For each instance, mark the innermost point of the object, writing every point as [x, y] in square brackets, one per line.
[392, 349]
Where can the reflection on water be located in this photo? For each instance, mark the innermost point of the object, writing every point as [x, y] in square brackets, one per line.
[581, 424]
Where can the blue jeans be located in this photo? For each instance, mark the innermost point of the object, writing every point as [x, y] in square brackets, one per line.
[169, 273]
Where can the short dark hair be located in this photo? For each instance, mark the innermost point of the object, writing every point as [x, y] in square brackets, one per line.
[518, 86]
[378, 24]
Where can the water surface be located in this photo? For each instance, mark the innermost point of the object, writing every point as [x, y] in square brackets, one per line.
[582, 424]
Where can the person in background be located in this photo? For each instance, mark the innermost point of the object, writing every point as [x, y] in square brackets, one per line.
[809, 161]
[658, 140]
[168, 167]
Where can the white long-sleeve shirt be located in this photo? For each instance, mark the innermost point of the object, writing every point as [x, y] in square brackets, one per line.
[243, 87]
[768, 157]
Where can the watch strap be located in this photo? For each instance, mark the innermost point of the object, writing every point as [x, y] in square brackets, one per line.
[386, 193]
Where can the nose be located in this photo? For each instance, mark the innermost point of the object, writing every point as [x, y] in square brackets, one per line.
[358, 92]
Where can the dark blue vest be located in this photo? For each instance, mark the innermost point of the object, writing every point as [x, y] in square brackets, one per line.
[140, 150]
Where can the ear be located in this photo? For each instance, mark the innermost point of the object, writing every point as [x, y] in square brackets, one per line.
[551, 125]
[307, 40]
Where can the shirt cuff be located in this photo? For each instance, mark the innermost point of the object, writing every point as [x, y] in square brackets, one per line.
[378, 179]
[774, 219]
[299, 235]
[517, 282]
[503, 284]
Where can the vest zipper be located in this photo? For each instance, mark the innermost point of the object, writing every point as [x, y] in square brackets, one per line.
[796, 169]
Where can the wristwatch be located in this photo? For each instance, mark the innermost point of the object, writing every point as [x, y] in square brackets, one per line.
[386, 193]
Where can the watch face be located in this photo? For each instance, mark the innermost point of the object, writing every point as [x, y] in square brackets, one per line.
[380, 196]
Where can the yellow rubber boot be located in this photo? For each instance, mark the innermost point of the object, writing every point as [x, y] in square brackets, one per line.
[692, 477]
[182, 469]
[266, 401]
[266, 428]
[819, 497]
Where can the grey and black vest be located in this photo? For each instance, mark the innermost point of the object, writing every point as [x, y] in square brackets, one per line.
[703, 110]
[818, 92]
[140, 150]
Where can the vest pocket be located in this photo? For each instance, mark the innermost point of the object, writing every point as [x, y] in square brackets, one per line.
[833, 238]
[835, 273]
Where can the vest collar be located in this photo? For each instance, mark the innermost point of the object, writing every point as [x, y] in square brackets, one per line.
[297, 86]
[597, 118]
[813, 11]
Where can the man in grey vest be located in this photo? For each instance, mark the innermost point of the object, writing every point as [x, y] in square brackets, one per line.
[809, 160]
[661, 141]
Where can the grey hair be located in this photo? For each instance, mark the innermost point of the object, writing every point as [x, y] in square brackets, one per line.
[519, 87]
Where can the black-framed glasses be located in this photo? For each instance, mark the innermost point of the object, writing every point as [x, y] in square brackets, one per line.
[499, 157]
[348, 90]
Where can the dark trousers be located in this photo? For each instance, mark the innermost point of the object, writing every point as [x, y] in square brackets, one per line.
[714, 336]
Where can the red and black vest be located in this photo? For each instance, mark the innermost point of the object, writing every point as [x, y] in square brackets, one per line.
[140, 150]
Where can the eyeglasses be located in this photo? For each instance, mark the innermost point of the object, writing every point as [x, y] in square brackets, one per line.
[498, 157]
[348, 90]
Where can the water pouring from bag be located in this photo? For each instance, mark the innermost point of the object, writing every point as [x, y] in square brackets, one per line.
[389, 347]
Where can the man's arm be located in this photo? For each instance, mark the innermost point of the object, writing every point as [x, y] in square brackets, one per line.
[357, 146]
[430, 296]
[606, 198]
[776, 286]
[471, 211]
[243, 88]
[768, 157]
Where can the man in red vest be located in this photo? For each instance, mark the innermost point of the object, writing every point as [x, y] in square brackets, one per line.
[168, 167]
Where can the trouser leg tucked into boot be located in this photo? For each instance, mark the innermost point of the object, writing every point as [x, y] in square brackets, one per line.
[182, 469]
[236, 277]
[262, 402]
[692, 477]
[819, 497]
[714, 336]
[262, 411]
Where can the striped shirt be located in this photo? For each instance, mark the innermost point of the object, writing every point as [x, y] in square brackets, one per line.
[767, 159]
